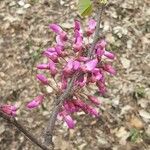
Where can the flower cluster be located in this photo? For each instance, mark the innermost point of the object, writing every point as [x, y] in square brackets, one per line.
[90, 69]
[69, 57]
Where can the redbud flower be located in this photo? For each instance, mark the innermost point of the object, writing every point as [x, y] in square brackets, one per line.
[52, 55]
[35, 102]
[58, 30]
[109, 55]
[43, 66]
[77, 25]
[70, 107]
[94, 100]
[42, 78]
[9, 109]
[67, 118]
[52, 68]
[109, 69]
[90, 65]
[91, 111]
[102, 87]
[69, 67]
[63, 83]
[92, 25]
[78, 44]
[76, 65]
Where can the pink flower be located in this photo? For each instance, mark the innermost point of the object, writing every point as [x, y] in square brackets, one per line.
[109, 69]
[69, 67]
[43, 66]
[78, 45]
[67, 118]
[63, 83]
[77, 25]
[102, 87]
[91, 111]
[52, 55]
[35, 102]
[109, 55]
[52, 68]
[78, 41]
[42, 78]
[76, 65]
[9, 109]
[59, 49]
[95, 75]
[90, 65]
[59, 41]
[83, 59]
[70, 107]
[58, 30]
[69, 121]
[94, 100]
[81, 81]
[79, 103]
[92, 25]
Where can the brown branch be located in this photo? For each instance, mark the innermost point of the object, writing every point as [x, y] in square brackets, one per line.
[22, 129]
[96, 35]
[59, 102]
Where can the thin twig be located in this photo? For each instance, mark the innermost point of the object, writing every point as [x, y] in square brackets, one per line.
[22, 129]
[59, 102]
[96, 36]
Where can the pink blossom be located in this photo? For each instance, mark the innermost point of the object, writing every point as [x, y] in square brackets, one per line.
[63, 83]
[69, 67]
[51, 49]
[77, 25]
[9, 109]
[52, 55]
[109, 55]
[102, 87]
[90, 65]
[52, 68]
[92, 25]
[69, 121]
[35, 102]
[83, 59]
[78, 45]
[79, 103]
[43, 66]
[109, 69]
[95, 75]
[94, 100]
[59, 41]
[81, 81]
[92, 111]
[76, 65]
[58, 30]
[42, 78]
[70, 107]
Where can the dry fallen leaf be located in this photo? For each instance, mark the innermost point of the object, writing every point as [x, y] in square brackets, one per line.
[125, 62]
[136, 123]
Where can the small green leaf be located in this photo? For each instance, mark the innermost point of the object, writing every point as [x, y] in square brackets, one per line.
[85, 7]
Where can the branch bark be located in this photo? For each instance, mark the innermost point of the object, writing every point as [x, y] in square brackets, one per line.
[22, 129]
[59, 102]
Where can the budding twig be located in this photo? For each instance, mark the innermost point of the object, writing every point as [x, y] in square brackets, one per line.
[59, 102]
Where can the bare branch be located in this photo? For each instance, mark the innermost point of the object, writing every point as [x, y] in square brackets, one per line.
[22, 129]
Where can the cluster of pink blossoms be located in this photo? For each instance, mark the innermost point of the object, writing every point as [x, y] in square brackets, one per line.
[72, 56]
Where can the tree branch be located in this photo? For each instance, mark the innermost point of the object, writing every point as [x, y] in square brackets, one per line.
[59, 102]
[22, 129]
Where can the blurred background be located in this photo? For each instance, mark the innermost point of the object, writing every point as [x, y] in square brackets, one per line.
[125, 110]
